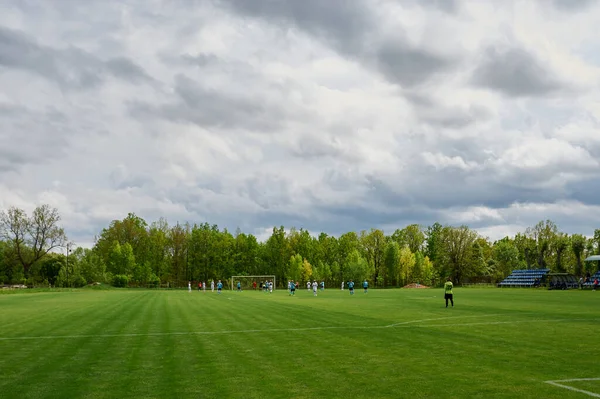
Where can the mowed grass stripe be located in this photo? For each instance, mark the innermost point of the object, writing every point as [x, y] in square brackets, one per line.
[456, 358]
[53, 363]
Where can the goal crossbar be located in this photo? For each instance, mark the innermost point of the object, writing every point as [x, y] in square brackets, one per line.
[268, 276]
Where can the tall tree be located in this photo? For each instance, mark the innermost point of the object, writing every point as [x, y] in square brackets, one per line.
[433, 244]
[392, 262]
[543, 233]
[32, 237]
[578, 242]
[373, 247]
[457, 244]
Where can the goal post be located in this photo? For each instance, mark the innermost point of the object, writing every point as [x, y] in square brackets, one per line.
[246, 281]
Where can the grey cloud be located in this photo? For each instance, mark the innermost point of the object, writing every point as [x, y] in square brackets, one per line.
[516, 73]
[70, 68]
[351, 28]
[200, 59]
[28, 136]
[206, 107]
[573, 5]
[407, 65]
[339, 21]
[126, 69]
[434, 113]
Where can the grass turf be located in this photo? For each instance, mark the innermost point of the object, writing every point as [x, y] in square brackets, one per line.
[386, 344]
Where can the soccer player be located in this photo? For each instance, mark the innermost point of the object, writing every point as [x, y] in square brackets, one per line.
[199, 286]
[239, 286]
[219, 287]
[342, 286]
[270, 286]
[212, 285]
[204, 286]
[351, 287]
[308, 286]
[448, 292]
[314, 285]
[292, 288]
[366, 285]
[289, 286]
[254, 285]
[189, 286]
[322, 285]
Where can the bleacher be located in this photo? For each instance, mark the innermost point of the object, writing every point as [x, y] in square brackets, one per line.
[590, 282]
[524, 278]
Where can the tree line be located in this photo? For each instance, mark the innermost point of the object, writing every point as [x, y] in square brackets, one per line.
[35, 250]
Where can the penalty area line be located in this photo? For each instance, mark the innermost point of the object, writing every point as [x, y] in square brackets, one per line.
[570, 388]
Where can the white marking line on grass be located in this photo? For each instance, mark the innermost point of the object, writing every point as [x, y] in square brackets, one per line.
[556, 383]
[502, 322]
[401, 324]
[228, 331]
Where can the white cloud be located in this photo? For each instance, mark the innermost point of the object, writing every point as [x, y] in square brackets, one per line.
[378, 115]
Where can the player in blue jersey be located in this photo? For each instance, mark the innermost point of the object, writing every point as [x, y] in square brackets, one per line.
[366, 285]
[239, 286]
[351, 287]
[292, 288]
[219, 287]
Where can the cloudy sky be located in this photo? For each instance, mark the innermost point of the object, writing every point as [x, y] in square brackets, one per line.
[329, 115]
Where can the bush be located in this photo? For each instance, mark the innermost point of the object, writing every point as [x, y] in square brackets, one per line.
[153, 281]
[78, 281]
[120, 280]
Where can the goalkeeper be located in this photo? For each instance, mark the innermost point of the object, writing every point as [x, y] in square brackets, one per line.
[448, 292]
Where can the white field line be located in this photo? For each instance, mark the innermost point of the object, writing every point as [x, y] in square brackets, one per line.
[570, 388]
[412, 323]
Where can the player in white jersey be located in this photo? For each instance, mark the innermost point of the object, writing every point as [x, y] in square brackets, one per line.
[342, 286]
[308, 286]
[289, 286]
[189, 286]
[212, 285]
[204, 286]
[270, 286]
[314, 285]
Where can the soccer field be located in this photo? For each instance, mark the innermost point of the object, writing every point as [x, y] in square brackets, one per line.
[385, 344]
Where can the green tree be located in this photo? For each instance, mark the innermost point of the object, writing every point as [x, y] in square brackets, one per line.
[456, 245]
[506, 257]
[32, 237]
[578, 242]
[392, 262]
[295, 268]
[306, 270]
[406, 263]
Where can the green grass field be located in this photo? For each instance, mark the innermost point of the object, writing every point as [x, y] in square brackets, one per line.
[386, 344]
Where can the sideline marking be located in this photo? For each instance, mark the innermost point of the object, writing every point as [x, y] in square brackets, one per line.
[570, 388]
[411, 323]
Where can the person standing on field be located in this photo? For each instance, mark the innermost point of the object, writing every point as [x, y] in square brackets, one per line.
[448, 292]
[212, 285]
[189, 286]
[351, 287]
[314, 285]
[342, 286]
[219, 287]
[204, 286]
[292, 288]
[366, 285]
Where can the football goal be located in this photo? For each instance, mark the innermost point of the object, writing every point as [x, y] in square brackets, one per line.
[247, 282]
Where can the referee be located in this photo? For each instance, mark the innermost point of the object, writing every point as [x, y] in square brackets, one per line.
[448, 292]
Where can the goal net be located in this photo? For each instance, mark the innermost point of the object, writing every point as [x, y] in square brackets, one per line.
[247, 282]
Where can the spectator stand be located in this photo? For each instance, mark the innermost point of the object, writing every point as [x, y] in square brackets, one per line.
[525, 278]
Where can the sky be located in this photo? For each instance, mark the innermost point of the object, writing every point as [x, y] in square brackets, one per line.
[332, 116]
